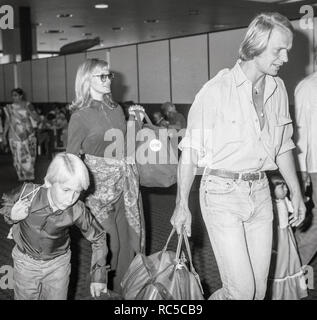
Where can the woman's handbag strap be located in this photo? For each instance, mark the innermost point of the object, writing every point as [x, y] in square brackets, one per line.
[147, 119]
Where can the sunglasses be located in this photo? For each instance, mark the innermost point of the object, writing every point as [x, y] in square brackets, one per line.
[103, 77]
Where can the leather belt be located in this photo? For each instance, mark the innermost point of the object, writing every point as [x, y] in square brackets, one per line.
[247, 176]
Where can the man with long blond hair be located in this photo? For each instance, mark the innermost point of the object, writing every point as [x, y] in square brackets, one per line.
[238, 127]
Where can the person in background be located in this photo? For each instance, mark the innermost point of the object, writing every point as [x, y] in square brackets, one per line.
[159, 120]
[42, 136]
[61, 125]
[175, 119]
[239, 127]
[20, 130]
[41, 217]
[114, 198]
[306, 141]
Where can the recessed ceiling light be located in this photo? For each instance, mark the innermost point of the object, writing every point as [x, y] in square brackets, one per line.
[53, 31]
[289, 1]
[64, 15]
[77, 26]
[151, 21]
[101, 6]
[117, 28]
[193, 12]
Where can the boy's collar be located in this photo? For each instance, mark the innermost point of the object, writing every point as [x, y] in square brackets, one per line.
[42, 200]
[50, 201]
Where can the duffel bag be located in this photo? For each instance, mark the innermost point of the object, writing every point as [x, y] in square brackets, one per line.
[163, 275]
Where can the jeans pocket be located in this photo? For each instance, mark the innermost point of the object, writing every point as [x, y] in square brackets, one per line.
[218, 185]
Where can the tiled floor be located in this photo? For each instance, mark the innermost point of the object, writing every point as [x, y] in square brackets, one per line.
[158, 204]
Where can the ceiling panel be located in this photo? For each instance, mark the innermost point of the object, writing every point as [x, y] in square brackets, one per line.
[176, 18]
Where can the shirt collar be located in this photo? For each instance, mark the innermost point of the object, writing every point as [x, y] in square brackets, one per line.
[238, 74]
[240, 78]
[50, 201]
[41, 202]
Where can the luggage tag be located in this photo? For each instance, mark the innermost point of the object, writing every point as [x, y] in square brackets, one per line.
[182, 261]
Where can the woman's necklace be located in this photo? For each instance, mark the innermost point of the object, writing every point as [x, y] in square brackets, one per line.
[109, 102]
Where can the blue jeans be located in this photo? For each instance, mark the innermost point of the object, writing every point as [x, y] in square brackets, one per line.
[39, 279]
[238, 216]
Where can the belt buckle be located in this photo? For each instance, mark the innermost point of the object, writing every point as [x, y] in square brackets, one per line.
[250, 176]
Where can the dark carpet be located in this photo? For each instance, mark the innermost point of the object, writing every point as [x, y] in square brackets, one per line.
[158, 207]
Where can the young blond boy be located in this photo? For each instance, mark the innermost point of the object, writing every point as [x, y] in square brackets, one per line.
[41, 218]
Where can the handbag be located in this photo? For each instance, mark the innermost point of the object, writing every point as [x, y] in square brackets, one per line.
[163, 275]
[159, 167]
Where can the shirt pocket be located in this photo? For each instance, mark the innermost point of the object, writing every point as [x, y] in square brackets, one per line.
[280, 123]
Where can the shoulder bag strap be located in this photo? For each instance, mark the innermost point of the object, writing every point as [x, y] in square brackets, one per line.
[33, 192]
[169, 239]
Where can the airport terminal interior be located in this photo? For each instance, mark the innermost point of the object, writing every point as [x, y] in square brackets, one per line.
[157, 52]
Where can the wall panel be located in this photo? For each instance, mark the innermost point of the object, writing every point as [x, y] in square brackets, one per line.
[24, 74]
[2, 84]
[57, 79]
[9, 79]
[123, 61]
[102, 54]
[39, 80]
[154, 72]
[224, 49]
[72, 63]
[189, 67]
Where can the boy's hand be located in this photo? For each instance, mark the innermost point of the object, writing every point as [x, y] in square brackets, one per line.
[96, 288]
[20, 210]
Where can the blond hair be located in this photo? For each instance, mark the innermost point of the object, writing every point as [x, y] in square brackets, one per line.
[83, 80]
[65, 167]
[259, 33]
